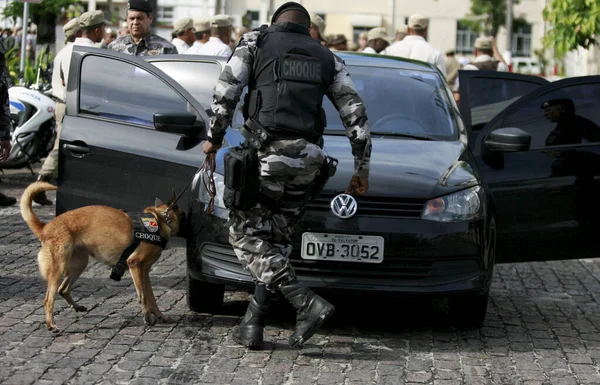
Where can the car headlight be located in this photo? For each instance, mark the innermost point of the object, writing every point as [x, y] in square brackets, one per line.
[460, 206]
[204, 196]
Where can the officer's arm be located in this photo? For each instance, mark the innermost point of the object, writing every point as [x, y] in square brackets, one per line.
[345, 98]
[229, 87]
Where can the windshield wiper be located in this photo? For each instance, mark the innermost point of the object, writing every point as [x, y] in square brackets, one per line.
[403, 135]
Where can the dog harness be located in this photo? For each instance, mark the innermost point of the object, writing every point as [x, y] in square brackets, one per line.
[145, 229]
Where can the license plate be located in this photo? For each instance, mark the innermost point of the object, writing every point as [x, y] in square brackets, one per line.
[342, 247]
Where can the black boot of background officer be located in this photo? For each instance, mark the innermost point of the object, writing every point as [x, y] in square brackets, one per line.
[312, 310]
[250, 331]
[41, 198]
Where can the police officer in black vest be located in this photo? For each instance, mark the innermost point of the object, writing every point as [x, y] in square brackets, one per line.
[287, 74]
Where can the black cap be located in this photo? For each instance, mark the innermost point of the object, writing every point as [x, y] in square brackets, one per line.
[289, 6]
[139, 5]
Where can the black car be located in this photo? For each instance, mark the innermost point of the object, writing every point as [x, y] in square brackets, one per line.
[450, 193]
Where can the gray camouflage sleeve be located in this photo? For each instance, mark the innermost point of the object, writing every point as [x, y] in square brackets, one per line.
[345, 98]
[229, 87]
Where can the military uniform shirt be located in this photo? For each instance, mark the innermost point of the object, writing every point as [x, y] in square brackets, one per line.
[62, 63]
[181, 45]
[342, 93]
[5, 122]
[215, 47]
[149, 45]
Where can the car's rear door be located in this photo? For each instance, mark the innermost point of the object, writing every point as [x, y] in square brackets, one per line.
[110, 151]
[544, 197]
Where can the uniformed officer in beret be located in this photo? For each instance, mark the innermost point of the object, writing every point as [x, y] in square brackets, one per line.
[89, 30]
[287, 73]
[184, 34]
[139, 41]
[202, 27]
[220, 37]
[5, 122]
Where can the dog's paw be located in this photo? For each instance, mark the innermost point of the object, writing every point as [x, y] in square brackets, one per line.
[79, 308]
[149, 319]
[53, 328]
[164, 319]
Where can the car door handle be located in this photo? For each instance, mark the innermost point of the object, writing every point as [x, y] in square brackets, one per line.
[79, 150]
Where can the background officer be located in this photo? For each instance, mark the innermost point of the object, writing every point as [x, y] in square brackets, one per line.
[49, 170]
[220, 37]
[289, 107]
[202, 27]
[185, 34]
[139, 41]
[5, 122]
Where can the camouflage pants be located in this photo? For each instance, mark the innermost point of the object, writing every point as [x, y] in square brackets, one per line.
[261, 237]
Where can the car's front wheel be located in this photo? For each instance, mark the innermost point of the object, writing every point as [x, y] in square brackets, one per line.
[204, 297]
[468, 311]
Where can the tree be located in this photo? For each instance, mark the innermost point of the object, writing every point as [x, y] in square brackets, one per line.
[574, 23]
[43, 14]
[487, 16]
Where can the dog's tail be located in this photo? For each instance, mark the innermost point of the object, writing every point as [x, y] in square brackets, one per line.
[34, 223]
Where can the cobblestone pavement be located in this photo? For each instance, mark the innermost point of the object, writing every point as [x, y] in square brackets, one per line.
[542, 328]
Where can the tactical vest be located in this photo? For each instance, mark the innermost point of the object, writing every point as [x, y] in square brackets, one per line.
[292, 72]
[146, 229]
[490, 65]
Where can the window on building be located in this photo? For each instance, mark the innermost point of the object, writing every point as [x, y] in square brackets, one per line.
[465, 38]
[165, 15]
[521, 40]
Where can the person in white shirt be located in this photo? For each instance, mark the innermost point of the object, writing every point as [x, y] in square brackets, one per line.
[218, 44]
[202, 27]
[414, 46]
[377, 40]
[317, 28]
[487, 56]
[88, 29]
[185, 34]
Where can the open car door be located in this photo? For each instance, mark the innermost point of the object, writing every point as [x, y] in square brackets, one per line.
[539, 156]
[131, 133]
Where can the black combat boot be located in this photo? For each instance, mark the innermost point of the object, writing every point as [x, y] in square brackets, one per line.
[6, 201]
[311, 310]
[41, 198]
[250, 331]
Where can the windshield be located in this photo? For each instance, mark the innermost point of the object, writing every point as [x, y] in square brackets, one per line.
[400, 102]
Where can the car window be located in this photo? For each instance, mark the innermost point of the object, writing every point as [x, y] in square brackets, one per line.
[563, 116]
[118, 90]
[489, 96]
[198, 78]
[398, 101]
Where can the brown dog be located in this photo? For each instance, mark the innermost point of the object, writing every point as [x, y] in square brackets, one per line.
[103, 233]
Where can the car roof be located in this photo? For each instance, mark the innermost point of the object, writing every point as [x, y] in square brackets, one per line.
[350, 58]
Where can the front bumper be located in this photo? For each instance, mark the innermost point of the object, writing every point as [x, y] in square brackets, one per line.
[421, 257]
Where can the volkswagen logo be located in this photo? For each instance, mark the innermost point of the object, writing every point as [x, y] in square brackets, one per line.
[344, 206]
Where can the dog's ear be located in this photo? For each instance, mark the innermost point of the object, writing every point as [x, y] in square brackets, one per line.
[158, 202]
[173, 196]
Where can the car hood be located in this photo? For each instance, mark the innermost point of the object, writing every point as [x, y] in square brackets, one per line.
[404, 167]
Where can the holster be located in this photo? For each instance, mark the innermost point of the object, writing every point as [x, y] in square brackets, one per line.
[241, 178]
[256, 135]
[326, 171]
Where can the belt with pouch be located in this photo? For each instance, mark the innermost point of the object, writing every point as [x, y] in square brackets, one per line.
[259, 136]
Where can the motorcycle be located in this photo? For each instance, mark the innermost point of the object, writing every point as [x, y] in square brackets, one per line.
[34, 127]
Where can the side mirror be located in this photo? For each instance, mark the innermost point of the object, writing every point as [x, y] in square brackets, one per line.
[509, 139]
[183, 123]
